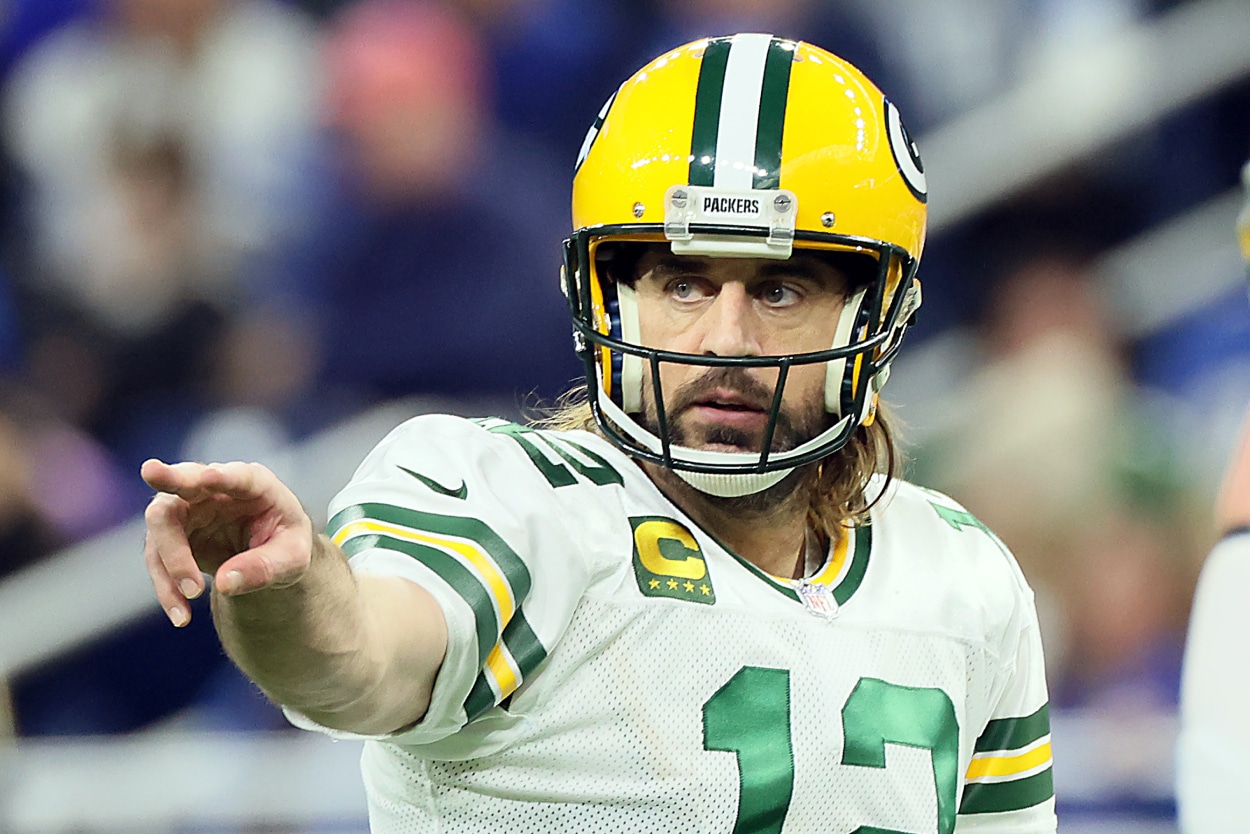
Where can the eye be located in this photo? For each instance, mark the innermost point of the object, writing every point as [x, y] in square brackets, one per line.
[685, 289]
[779, 295]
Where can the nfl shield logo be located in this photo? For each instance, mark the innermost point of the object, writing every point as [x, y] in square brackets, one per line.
[817, 600]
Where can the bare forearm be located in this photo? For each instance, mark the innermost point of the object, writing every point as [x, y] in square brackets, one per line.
[352, 653]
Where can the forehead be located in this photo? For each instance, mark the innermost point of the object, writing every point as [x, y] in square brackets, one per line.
[659, 262]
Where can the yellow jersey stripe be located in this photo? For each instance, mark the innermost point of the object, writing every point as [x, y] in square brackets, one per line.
[837, 564]
[498, 586]
[833, 569]
[501, 668]
[1009, 765]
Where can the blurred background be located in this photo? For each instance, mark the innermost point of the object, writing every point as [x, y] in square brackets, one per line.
[272, 229]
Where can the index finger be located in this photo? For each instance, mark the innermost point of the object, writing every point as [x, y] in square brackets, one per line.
[194, 481]
[171, 477]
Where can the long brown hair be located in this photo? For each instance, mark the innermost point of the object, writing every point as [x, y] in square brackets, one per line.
[844, 490]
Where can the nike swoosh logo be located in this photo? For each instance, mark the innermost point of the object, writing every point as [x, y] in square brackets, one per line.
[461, 492]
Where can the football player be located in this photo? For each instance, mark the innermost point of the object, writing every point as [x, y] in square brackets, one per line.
[1212, 765]
[698, 599]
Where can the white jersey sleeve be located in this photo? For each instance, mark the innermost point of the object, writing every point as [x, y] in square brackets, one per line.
[1213, 755]
[467, 510]
[1008, 783]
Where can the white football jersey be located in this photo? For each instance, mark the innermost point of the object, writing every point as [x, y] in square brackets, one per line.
[612, 667]
[1213, 749]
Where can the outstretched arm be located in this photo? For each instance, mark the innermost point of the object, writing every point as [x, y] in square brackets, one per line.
[351, 653]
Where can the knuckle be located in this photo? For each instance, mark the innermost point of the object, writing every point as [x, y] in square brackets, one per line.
[155, 512]
[266, 571]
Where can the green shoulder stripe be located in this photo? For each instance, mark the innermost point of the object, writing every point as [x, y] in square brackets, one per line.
[455, 574]
[481, 698]
[1014, 733]
[997, 797]
[475, 530]
[523, 644]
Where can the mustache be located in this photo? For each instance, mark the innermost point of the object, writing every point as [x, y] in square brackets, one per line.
[738, 380]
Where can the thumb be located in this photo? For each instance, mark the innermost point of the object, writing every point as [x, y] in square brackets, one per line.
[278, 563]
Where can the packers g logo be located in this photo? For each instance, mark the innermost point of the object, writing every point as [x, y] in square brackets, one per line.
[668, 562]
[593, 133]
[906, 154]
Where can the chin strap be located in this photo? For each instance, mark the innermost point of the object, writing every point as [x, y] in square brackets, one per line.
[722, 485]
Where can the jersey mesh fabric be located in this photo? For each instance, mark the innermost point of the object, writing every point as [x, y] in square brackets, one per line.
[614, 733]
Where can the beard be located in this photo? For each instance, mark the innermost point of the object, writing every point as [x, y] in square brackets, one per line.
[791, 430]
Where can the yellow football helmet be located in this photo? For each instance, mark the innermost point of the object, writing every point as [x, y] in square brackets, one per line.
[744, 146]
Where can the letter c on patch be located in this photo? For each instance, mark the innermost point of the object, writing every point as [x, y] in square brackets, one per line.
[647, 538]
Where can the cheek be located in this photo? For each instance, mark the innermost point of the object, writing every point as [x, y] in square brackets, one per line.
[673, 375]
[805, 384]
[814, 331]
[660, 329]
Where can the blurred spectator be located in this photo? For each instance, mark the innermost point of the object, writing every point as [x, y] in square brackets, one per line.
[554, 62]
[24, 22]
[165, 143]
[434, 265]
[1129, 598]
[24, 535]
[1054, 449]
[1036, 445]
[57, 485]
[947, 57]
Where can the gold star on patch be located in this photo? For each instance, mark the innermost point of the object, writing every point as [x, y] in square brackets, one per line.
[689, 587]
[705, 589]
[654, 583]
[672, 584]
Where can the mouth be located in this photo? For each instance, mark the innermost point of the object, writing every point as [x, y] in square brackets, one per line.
[729, 408]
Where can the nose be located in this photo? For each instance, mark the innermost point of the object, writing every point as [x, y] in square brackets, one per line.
[729, 325]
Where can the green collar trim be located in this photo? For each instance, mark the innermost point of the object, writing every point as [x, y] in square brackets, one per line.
[843, 591]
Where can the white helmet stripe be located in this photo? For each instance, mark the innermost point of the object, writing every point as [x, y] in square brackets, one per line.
[740, 112]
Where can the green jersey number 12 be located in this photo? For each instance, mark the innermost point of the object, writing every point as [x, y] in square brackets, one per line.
[876, 713]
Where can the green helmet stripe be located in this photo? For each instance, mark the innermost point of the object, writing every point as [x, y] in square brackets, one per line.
[773, 94]
[707, 103]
